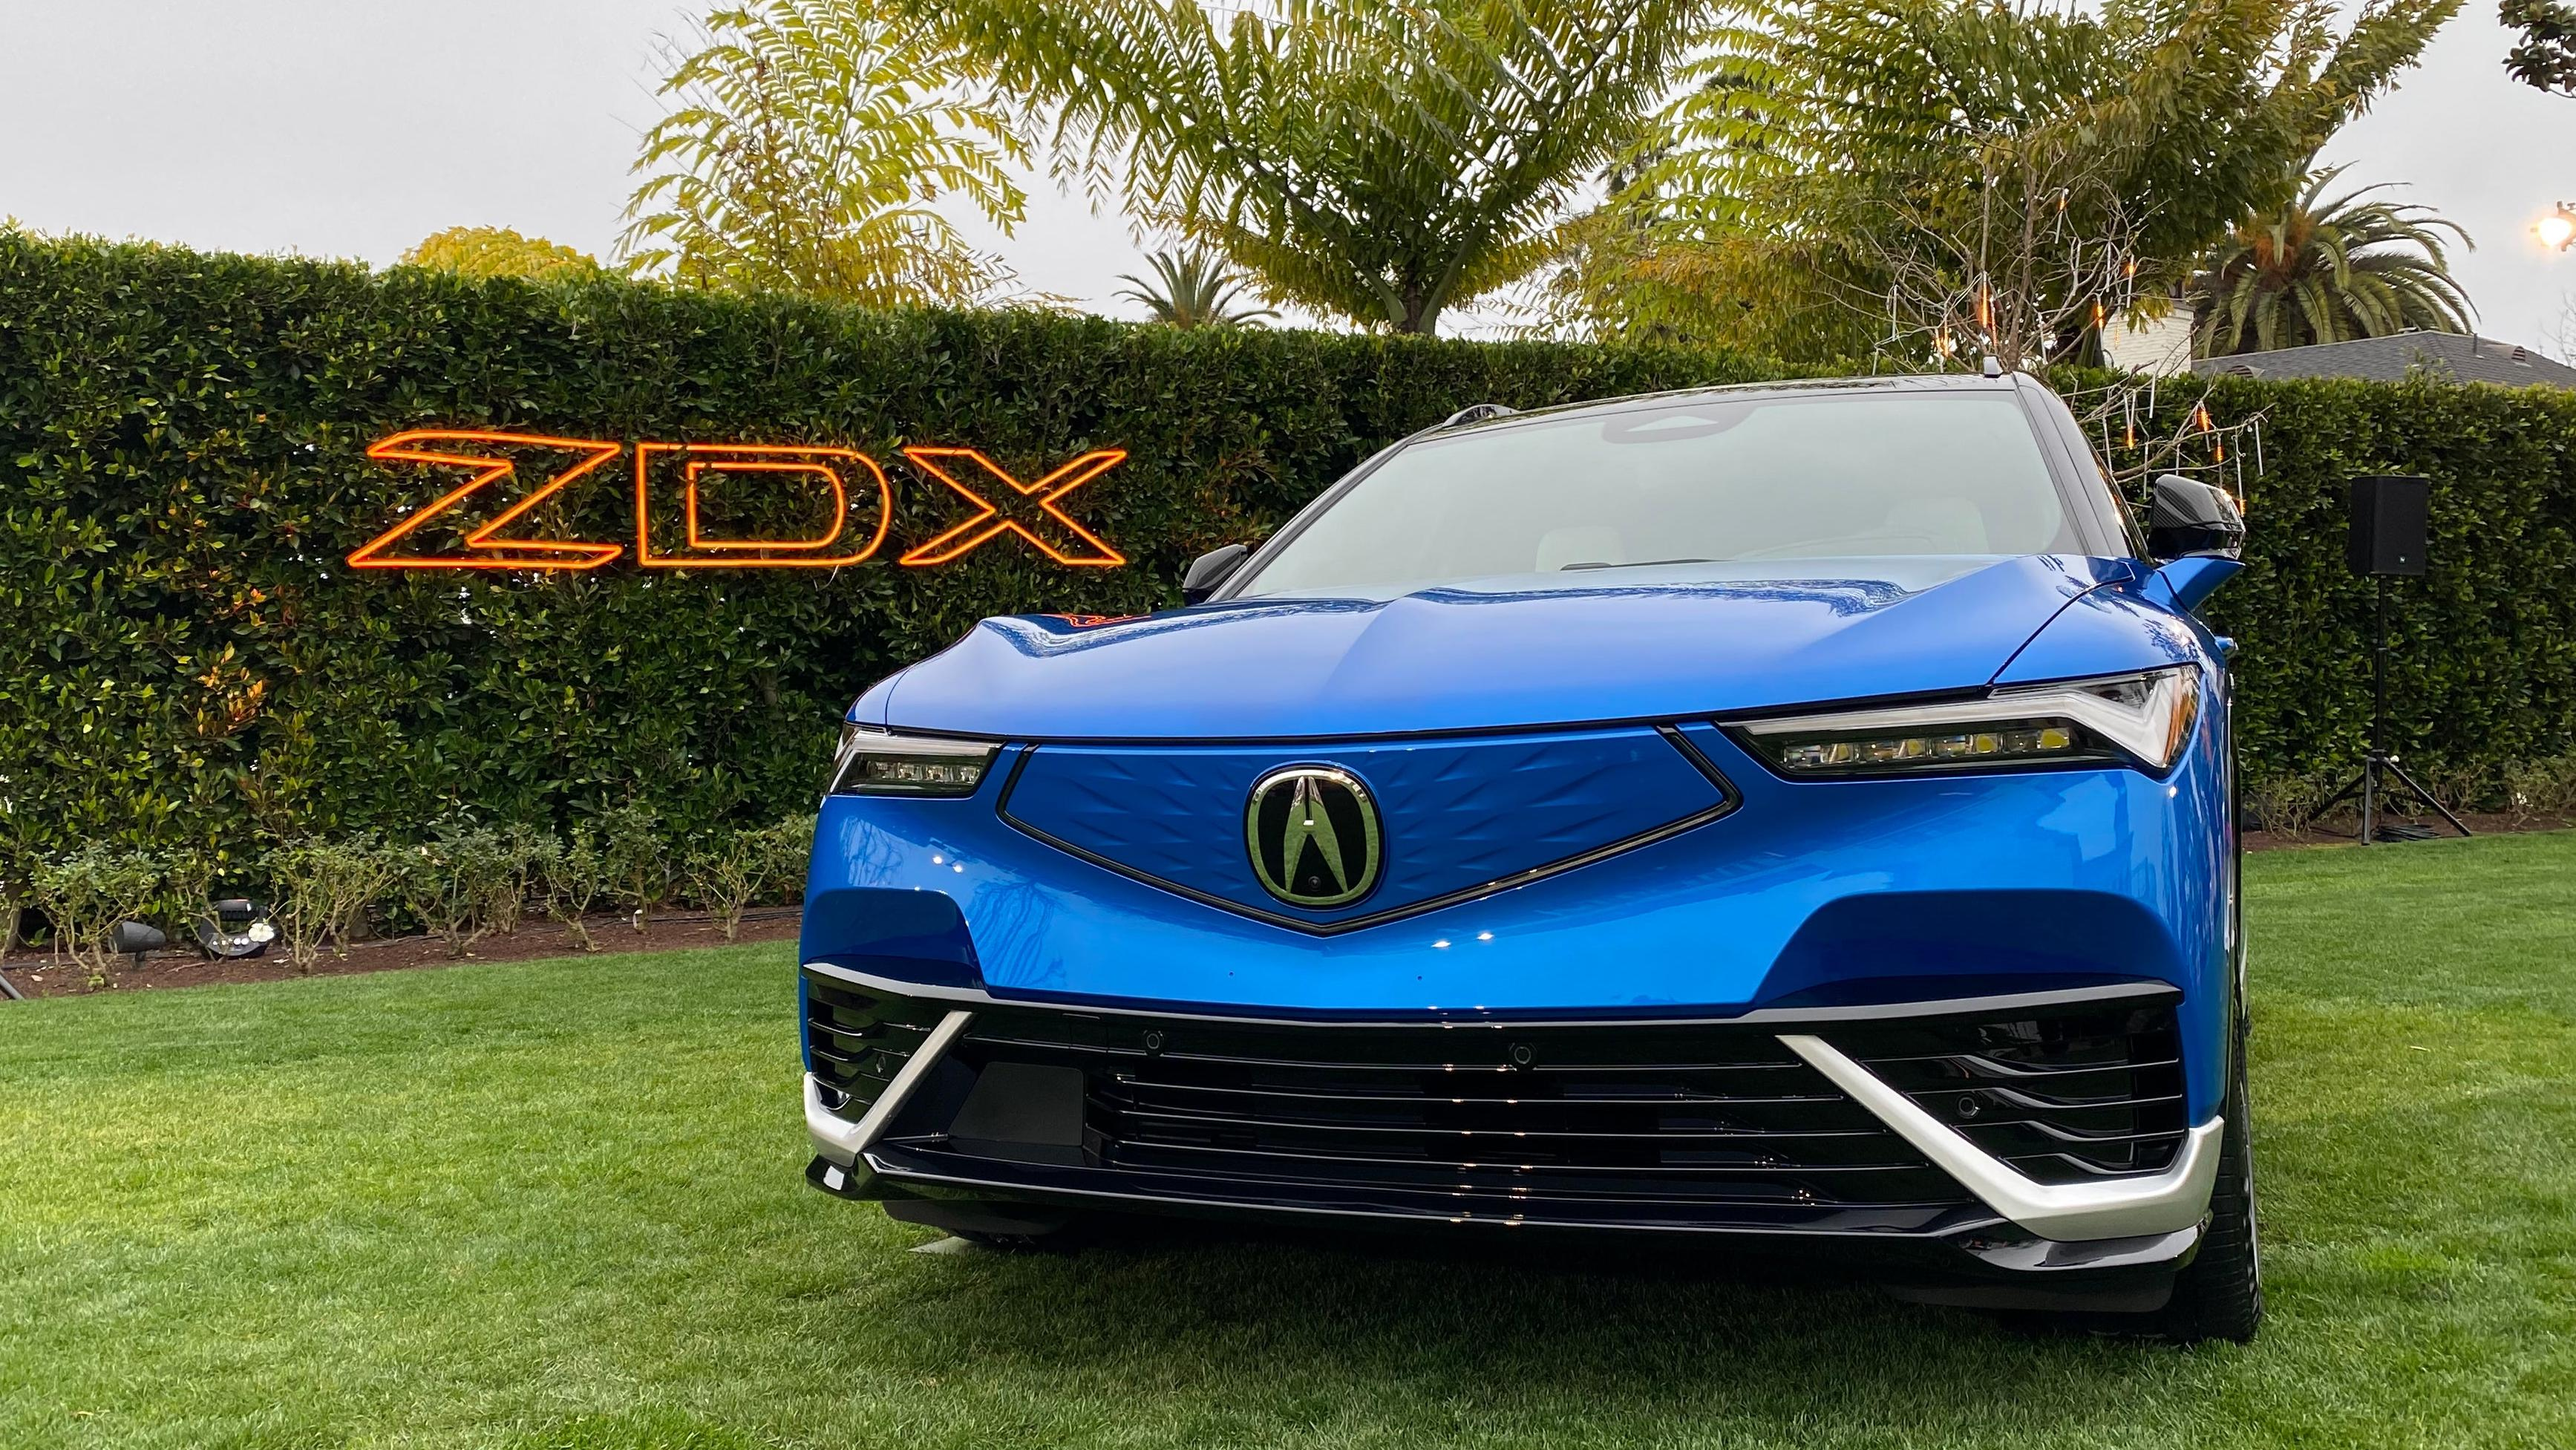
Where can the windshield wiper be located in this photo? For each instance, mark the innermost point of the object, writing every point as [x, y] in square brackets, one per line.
[1639, 564]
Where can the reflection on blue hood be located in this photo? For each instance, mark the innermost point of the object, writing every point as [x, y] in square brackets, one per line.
[1642, 643]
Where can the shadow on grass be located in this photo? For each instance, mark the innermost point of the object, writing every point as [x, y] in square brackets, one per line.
[1653, 1328]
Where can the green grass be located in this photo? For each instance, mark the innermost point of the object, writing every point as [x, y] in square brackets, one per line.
[559, 1204]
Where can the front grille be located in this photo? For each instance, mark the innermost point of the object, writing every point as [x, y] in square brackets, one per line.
[1599, 1128]
[856, 1041]
[2062, 1098]
[1641, 1125]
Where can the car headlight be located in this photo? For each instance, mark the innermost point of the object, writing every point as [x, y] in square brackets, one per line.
[879, 762]
[2141, 719]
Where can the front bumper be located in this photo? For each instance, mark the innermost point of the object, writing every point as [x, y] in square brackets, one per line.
[2044, 1135]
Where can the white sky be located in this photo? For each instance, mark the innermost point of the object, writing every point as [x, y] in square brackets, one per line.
[352, 128]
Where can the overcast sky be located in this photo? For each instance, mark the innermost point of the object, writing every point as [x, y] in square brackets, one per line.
[352, 128]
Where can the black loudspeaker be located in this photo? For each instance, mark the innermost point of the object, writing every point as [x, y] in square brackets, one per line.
[2388, 525]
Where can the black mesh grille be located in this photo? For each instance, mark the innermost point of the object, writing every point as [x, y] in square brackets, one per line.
[1650, 1125]
[1715, 1125]
[857, 1041]
[2062, 1098]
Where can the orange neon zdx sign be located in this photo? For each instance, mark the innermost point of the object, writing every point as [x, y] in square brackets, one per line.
[672, 483]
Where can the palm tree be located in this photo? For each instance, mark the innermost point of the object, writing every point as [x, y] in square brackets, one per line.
[1191, 290]
[2327, 271]
[811, 141]
[1375, 160]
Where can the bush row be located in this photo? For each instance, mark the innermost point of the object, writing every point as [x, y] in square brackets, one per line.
[462, 883]
[188, 665]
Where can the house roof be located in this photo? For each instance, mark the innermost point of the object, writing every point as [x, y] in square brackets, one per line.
[2465, 358]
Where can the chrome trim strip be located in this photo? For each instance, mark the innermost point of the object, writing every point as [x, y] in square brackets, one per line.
[2108, 1209]
[842, 1141]
[2138, 992]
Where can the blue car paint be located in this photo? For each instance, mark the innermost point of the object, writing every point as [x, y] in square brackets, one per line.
[2052, 877]
[1806, 892]
[1661, 644]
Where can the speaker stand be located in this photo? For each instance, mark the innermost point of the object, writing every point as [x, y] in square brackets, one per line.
[2381, 762]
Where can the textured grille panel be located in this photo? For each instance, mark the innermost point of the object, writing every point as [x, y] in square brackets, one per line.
[1457, 814]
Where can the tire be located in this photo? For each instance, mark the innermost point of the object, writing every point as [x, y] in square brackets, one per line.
[2220, 1294]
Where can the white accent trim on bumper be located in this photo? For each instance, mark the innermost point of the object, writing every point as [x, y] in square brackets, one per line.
[2111, 1208]
[842, 1141]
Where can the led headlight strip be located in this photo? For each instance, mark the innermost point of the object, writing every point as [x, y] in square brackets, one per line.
[2141, 718]
[879, 762]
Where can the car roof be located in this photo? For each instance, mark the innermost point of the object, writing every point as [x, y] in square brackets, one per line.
[1783, 387]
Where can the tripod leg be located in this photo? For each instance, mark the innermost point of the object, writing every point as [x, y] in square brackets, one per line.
[2342, 793]
[2426, 797]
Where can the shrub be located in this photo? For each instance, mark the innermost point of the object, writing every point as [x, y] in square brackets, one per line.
[454, 881]
[740, 867]
[518, 870]
[85, 894]
[2541, 789]
[633, 863]
[14, 894]
[320, 891]
[572, 874]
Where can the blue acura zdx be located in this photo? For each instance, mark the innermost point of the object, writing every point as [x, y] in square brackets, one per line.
[1797, 814]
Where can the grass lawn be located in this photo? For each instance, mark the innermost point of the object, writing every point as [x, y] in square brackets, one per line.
[559, 1204]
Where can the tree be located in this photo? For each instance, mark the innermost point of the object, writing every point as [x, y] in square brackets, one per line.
[500, 252]
[2546, 58]
[810, 146]
[1376, 160]
[1853, 177]
[1191, 290]
[2323, 270]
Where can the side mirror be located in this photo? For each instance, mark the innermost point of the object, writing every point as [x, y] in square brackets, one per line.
[1210, 570]
[2193, 520]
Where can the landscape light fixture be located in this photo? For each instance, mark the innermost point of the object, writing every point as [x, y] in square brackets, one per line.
[2558, 229]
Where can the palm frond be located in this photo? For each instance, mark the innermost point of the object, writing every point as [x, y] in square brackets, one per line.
[1377, 160]
[2328, 269]
[1192, 289]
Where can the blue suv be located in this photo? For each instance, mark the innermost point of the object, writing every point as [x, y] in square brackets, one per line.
[1799, 814]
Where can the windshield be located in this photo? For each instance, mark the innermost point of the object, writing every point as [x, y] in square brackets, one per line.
[1846, 476]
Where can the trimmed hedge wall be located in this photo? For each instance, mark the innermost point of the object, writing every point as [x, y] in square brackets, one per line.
[185, 661]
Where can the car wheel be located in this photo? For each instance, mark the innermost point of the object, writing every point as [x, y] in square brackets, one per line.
[2220, 1295]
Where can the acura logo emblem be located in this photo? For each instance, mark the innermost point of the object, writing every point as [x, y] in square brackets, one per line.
[1313, 834]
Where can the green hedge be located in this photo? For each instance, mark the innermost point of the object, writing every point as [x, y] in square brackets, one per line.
[184, 659]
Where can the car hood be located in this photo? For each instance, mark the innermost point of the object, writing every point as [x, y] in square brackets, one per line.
[1645, 643]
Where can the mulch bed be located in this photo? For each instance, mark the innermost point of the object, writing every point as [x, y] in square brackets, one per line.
[37, 976]
[2345, 829]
